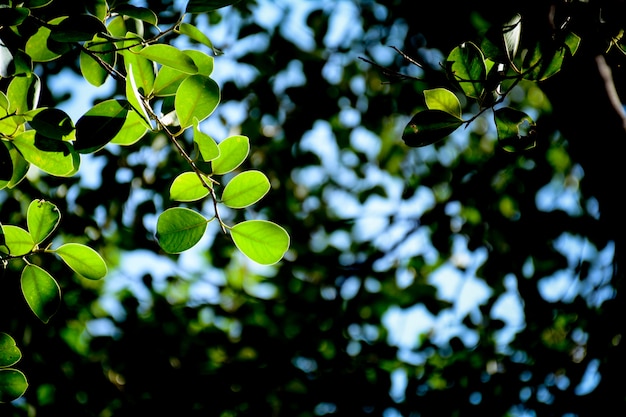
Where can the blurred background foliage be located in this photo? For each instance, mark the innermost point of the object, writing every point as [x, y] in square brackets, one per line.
[450, 280]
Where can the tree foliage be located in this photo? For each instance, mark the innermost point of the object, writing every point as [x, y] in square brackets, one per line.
[450, 236]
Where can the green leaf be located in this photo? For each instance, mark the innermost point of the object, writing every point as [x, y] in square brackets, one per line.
[546, 59]
[41, 291]
[135, 97]
[18, 241]
[187, 187]
[196, 34]
[42, 48]
[51, 123]
[19, 166]
[169, 56]
[9, 352]
[133, 129]
[262, 241]
[13, 385]
[6, 165]
[516, 130]
[512, 33]
[13, 16]
[179, 229]
[42, 217]
[53, 156]
[102, 52]
[83, 260]
[233, 151]
[466, 65]
[442, 99]
[169, 79]
[204, 6]
[428, 127]
[206, 145]
[140, 13]
[23, 93]
[100, 125]
[77, 28]
[197, 97]
[143, 71]
[245, 189]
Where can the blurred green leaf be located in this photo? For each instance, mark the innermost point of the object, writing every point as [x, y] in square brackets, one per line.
[41, 291]
[9, 352]
[13, 385]
[204, 6]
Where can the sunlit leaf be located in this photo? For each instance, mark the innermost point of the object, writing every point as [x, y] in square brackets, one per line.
[170, 56]
[466, 65]
[42, 48]
[99, 125]
[262, 241]
[169, 79]
[56, 157]
[42, 217]
[547, 57]
[41, 291]
[197, 97]
[206, 145]
[443, 99]
[245, 189]
[428, 127]
[18, 164]
[143, 71]
[196, 34]
[511, 33]
[13, 385]
[187, 187]
[17, 240]
[97, 53]
[23, 93]
[83, 260]
[179, 229]
[232, 152]
[133, 129]
[9, 352]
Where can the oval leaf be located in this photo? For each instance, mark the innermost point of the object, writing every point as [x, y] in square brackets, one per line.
[206, 145]
[41, 291]
[196, 97]
[100, 125]
[188, 187]
[17, 240]
[194, 33]
[42, 217]
[83, 260]
[232, 152]
[51, 123]
[466, 64]
[13, 385]
[443, 99]
[100, 51]
[179, 229]
[169, 56]
[9, 352]
[245, 189]
[262, 241]
[428, 127]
